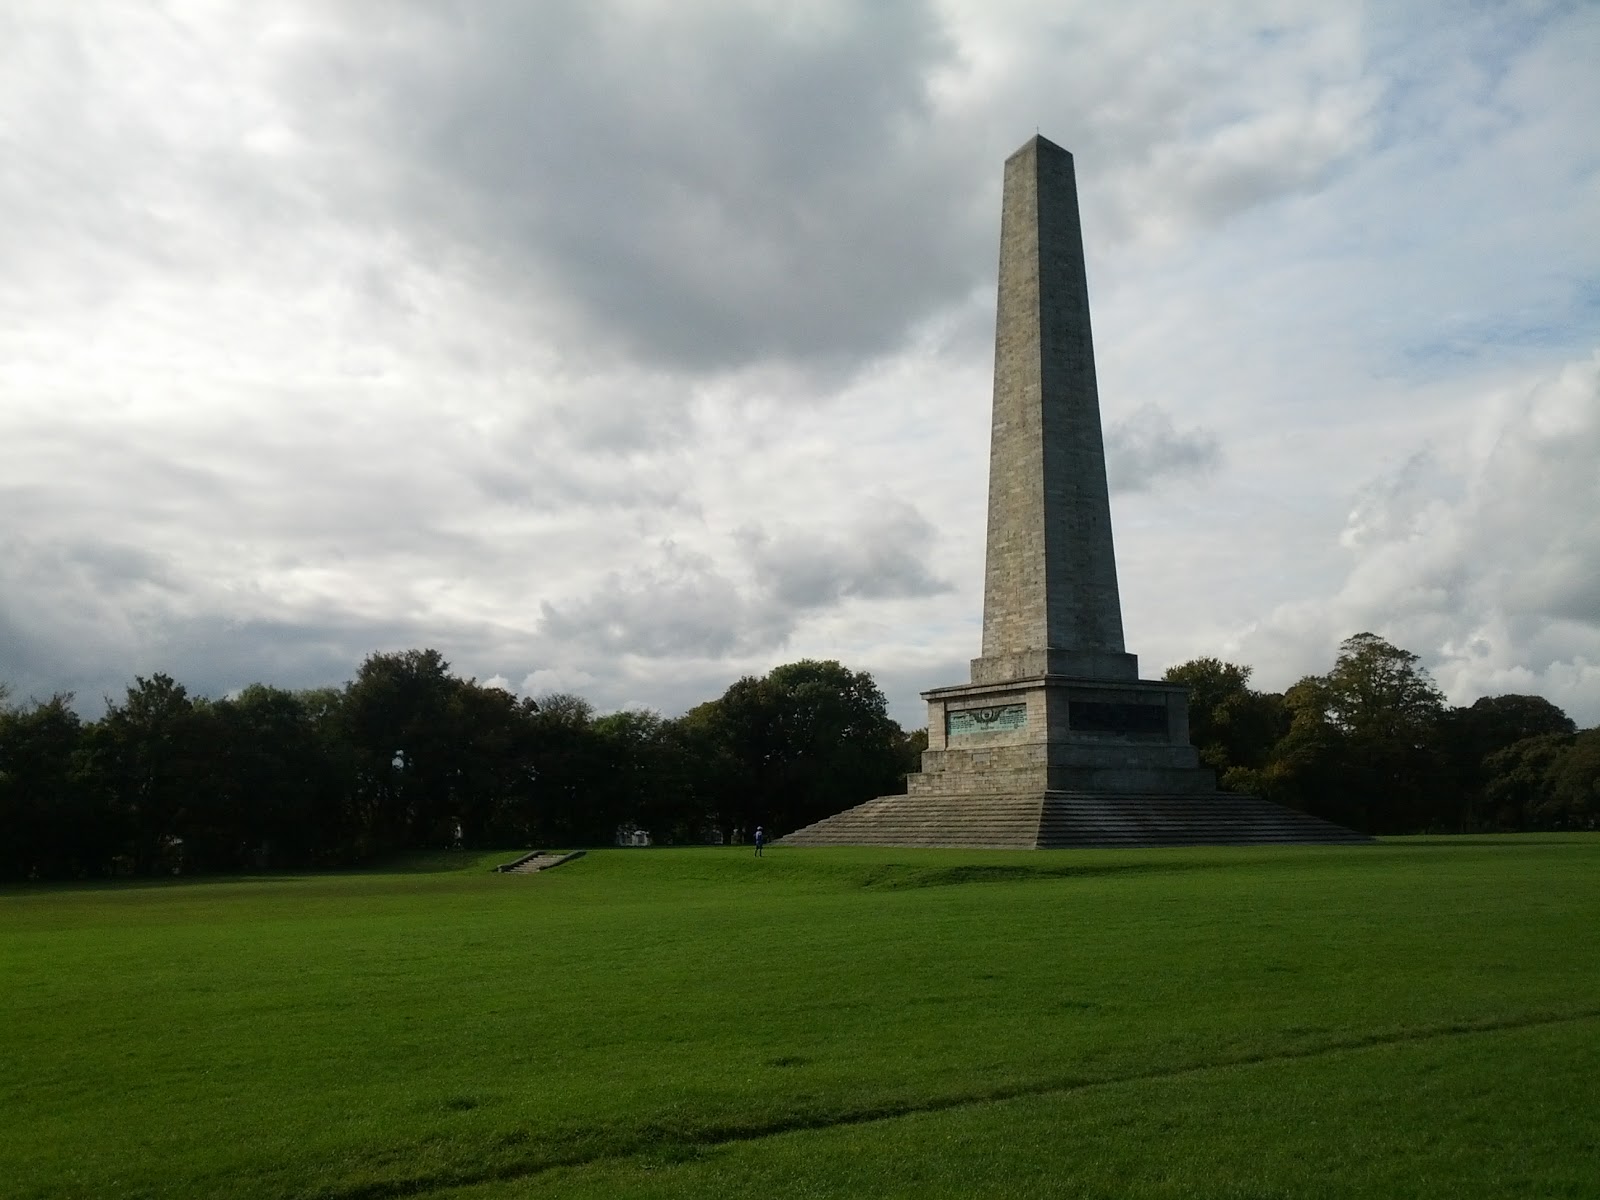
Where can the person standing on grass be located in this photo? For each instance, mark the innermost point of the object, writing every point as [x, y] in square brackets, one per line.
[761, 840]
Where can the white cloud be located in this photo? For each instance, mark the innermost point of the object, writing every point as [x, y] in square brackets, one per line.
[1486, 562]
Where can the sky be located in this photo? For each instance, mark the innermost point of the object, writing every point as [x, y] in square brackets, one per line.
[628, 348]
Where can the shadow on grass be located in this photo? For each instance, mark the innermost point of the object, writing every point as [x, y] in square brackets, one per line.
[430, 862]
[899, 877]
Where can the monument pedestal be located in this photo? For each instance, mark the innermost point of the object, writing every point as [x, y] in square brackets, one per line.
[1059, 733]
[1054, 761]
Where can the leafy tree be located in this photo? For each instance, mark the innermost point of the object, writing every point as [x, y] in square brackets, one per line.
[1362, 747]
[1233, 726]
[149, 756]
[1389, 712]
[913, 743]
[49, 827]
[1518, 777]
[1495, 722]
[1376, 691]
[566, 763]
[397, 714]
[1574, 796]
[1471, 736]
[809, 739]
[494, 789]
[719, 791]
[646, 776]
[1302, 769]
[283, 794]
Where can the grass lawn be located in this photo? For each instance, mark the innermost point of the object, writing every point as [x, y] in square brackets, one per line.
[1418, 1018]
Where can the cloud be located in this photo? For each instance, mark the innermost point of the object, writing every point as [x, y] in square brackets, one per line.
[1484, 556]
[682, 604]
[679, 605]
[1146, 448]
[694, 187]
[547, 680]
[883, 557]
[1182, 117]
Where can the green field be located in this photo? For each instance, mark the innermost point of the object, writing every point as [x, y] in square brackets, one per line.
[1418, 1018]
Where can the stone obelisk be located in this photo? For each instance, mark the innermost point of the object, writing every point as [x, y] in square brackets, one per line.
[1056, 741]
[1050, 603]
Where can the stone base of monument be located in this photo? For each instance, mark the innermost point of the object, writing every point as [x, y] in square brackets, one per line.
[1067, 820]
[1054, 761]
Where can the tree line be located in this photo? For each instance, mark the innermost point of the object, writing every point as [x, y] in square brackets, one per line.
[408, 756]
[1372, 745]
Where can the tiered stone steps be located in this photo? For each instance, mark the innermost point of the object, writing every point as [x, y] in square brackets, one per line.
[1061, 820]
[536, 861]
[993, 822]
[1197, 819]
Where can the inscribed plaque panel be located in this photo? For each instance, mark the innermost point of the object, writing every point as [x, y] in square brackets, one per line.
[998, 718]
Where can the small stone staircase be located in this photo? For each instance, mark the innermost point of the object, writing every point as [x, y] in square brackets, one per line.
[1061, 820]
[528, 864]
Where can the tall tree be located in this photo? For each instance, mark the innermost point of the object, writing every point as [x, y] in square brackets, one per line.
[1471, 736]
[284, 795]
[1574, 793]
[495, 795]
[1362, 747]
[49, 826]
[1232, 725]
[1518, 781]
[151, 757]
[809, 739]
[567, 767]
[1389, 711]
[397, 713]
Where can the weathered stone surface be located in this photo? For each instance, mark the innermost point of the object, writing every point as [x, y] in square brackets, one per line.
[1055, 741]
[1066, 820]
[1050, 601]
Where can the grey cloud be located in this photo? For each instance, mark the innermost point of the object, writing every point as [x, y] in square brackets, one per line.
[679, 605]
[704, 186]
[95, 623]
[883, 557]
[1187, 116]
[1147, 449]
[91, 632]
[557, 480]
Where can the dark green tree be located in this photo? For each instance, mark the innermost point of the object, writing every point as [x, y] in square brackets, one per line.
[568, 762]
[647, 775]
[913, 743]
[50, 827]
[495, 794]
[1517, 781]
[151, 758]
[1233, 726]
[1363, 743]
[810, 739]
[1573, 800]
[1390, 711]
[397, 715]
[1471, 736]
[283, 780]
